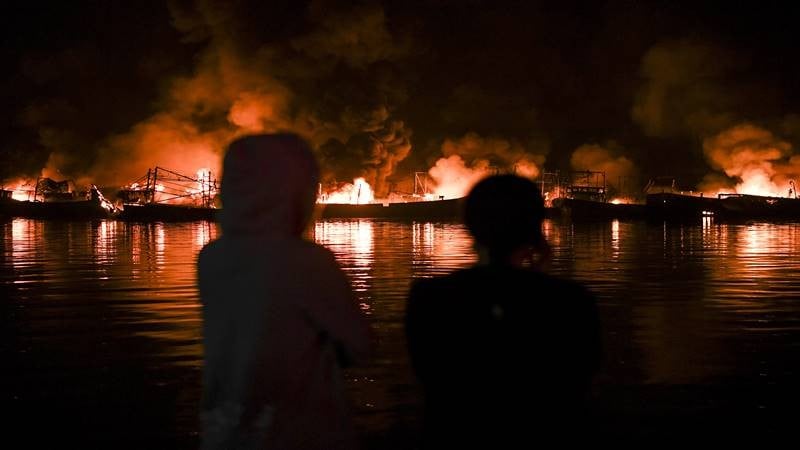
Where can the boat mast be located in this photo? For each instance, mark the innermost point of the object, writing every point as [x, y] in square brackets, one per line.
[153, 192]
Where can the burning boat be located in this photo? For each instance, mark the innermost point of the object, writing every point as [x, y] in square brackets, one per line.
[665, 201]
[583, 195]
[51, 199]
[163, 195]
[357, 200]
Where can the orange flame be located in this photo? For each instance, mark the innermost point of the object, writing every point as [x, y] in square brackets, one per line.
[454, 179]
[359, 192]
[21, 189]
[754, 157]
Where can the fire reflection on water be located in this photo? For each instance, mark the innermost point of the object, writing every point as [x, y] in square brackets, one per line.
[104, 237]
[422, 237]
[352, 242]
[682, 304]
[615, 238]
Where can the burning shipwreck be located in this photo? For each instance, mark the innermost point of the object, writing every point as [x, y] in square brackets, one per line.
[46, 198]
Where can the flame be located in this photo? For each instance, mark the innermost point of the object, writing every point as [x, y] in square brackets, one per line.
[22, 189]
[752, 156]
[203, 185]
[181, 191]
[359, 192]
[454, 179]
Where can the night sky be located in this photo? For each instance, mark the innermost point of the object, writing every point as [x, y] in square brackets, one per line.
[387, 88]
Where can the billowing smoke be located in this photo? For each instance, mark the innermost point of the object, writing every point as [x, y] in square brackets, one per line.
[619, 170]
[753, 160]
[373, 155]
[702, 91]
[331, 82]
[472, 157]
[686, 89]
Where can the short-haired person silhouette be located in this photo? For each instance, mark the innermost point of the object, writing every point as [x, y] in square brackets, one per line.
[279, 315]
[504, 352]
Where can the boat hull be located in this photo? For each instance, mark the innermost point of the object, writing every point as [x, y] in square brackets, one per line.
[425, 210]
[578, 209]
[155, 212]
[68, 210]
[666, 206]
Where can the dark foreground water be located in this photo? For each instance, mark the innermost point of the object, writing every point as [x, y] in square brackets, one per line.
[100, 343]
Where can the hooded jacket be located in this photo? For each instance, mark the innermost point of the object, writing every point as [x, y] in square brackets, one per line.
[279, 315]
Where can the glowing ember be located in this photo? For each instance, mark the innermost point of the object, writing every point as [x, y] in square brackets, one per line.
[357, 193]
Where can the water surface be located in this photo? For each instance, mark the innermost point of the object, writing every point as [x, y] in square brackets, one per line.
[101, 325]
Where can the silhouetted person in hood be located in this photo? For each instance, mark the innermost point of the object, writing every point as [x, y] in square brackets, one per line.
[279, 315]
[505, 353]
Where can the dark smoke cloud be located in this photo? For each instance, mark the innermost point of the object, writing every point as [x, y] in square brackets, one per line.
[108, 90]
[328, 78]
[686, 89]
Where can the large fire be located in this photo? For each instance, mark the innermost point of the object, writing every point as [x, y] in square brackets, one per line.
[21, 189]
[758, 161]
[168, 187]
[360, 192]
[454, 179]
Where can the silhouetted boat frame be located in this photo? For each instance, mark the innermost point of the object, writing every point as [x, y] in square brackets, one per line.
[584, 197]
[66, 206]
[139, 204]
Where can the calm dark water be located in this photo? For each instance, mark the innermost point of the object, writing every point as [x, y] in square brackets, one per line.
[101, 327]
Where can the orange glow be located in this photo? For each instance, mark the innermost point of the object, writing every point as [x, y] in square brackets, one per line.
[757, 182]
[454, 179]
[353, 240]
[21, 189]
[178, 189]
[753, 157]
[360, 192]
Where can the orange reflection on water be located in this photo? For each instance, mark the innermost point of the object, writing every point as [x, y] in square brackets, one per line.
[158, 229]
[24, 248]
[615, 238]
[352, 243]
[765, 251]
[202, 233]
[104, 239]
[422, 238]
[352, 239]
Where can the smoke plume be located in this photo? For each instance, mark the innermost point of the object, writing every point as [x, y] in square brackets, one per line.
[329, 82]
[618, 169]
[753, 159]
[686, 88]
[472, 157]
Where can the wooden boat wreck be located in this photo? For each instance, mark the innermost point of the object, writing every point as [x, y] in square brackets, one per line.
[163, 195]
[52, 199]
[680, 205]
[584, 196]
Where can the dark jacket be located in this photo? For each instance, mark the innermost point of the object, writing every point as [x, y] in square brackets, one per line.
[279, 316]
[505, 355]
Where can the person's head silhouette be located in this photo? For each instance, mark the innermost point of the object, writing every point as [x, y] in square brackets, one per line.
[268, 185]
[504, 214]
